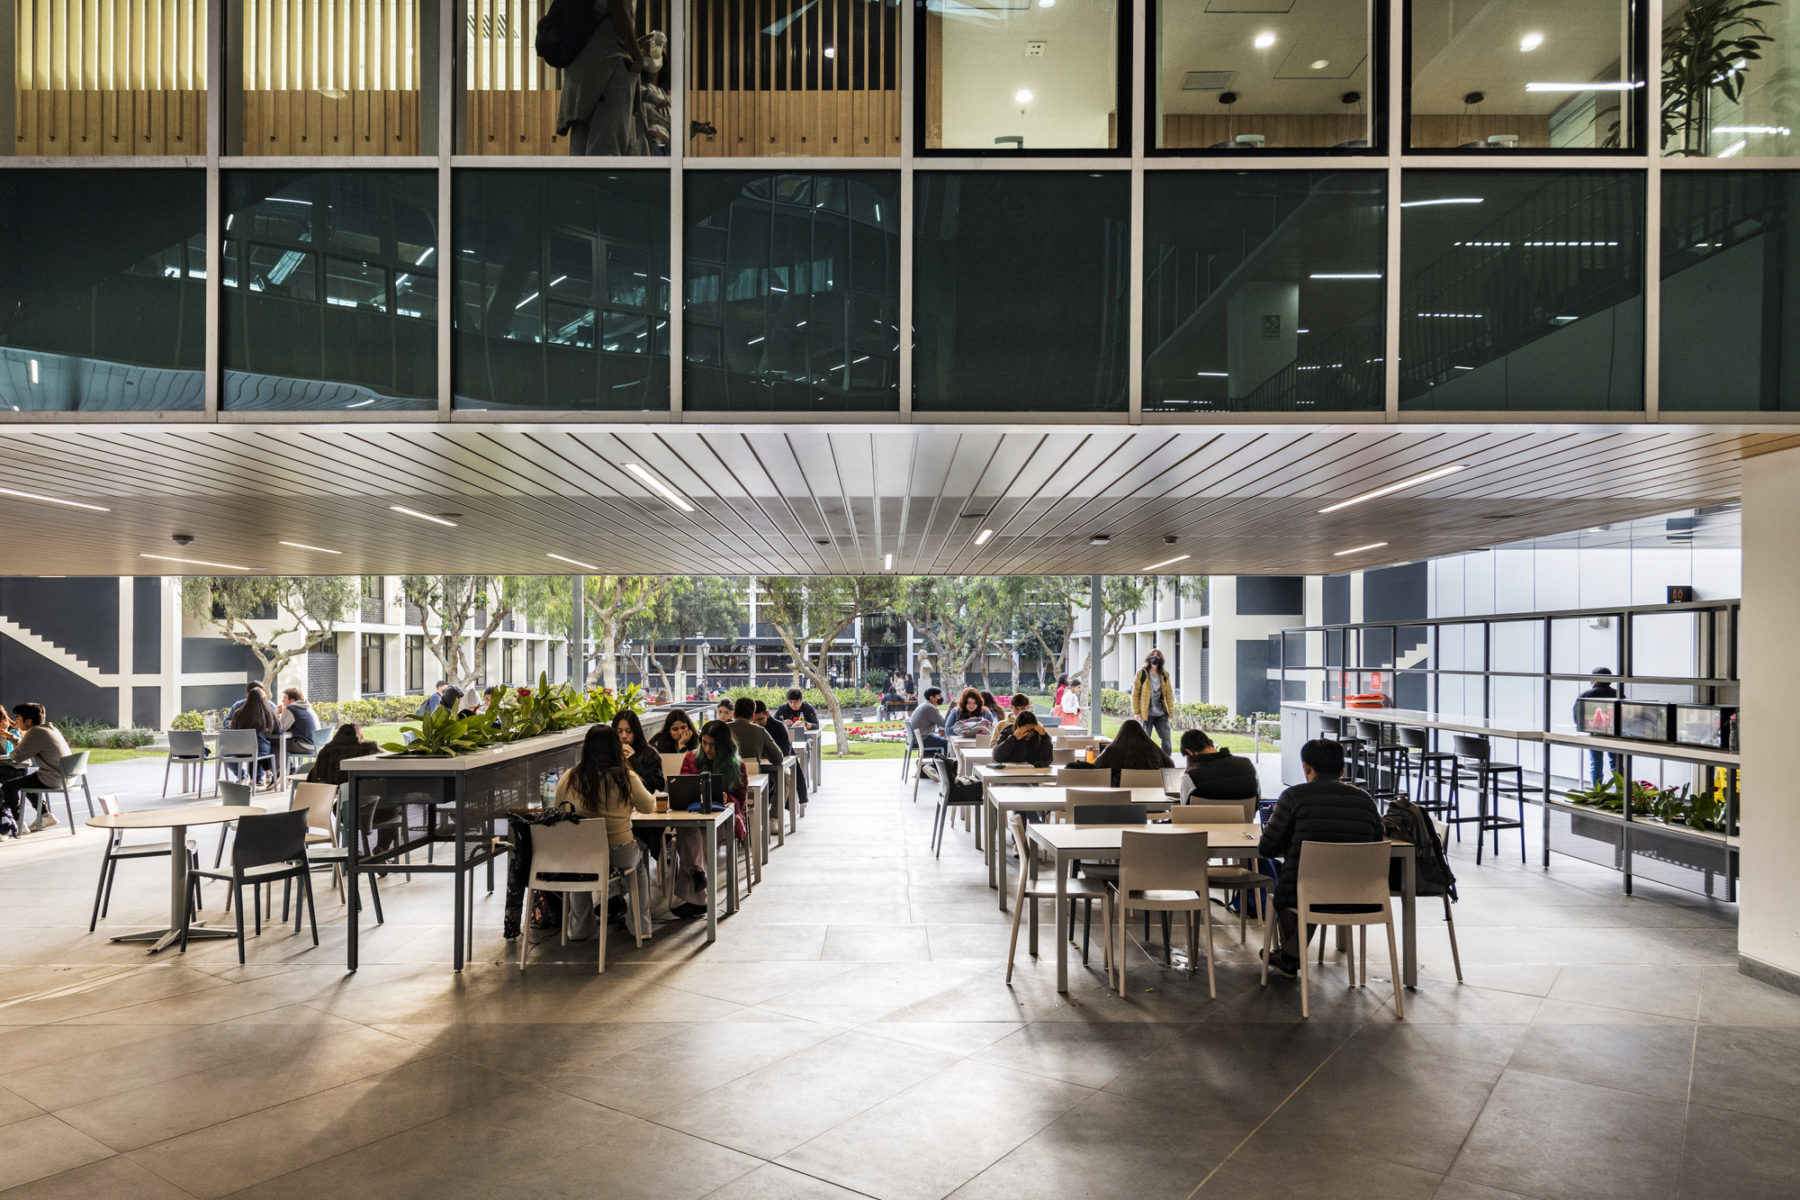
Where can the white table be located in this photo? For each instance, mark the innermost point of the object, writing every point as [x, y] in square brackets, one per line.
[177, 821]
[1040, 800]
[1068, 843]
[709, 823]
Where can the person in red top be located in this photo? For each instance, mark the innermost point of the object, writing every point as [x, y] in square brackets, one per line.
[717, 756]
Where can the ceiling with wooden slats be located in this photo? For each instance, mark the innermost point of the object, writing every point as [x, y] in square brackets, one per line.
[820, 499]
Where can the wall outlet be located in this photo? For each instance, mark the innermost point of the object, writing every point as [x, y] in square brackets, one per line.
[1034, 49]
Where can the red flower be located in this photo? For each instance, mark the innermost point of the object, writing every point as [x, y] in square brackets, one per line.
[524, 692]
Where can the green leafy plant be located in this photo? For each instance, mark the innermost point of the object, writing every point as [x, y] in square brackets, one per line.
[78, 731]
[441, 733]
[188, 721]
[1708, 50]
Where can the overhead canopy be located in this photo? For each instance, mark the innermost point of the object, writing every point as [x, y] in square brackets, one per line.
[819, 499]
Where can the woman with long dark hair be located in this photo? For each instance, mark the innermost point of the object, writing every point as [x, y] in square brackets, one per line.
[257, 713]
[602, 785]
[1132, 750]
[971, 716]
[677, 735]
[1024, 741]
[717, 756]
[645, 762]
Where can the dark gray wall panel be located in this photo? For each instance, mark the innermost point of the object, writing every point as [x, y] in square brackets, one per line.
[146, 625]
[1336, 601]
[1395, 593]
[1270, 595]
[1256, 692]
[78, 614]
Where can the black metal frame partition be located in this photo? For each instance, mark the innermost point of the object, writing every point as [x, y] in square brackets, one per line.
[1713, 854]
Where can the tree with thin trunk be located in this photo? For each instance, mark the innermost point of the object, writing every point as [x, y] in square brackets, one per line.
[450, 602]
[504, 596]
[809, 615]
[276, 618]
[688, 605]
[614, 602]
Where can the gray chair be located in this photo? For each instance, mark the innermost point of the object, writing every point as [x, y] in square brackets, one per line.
[237, 747]
[268, 848]
[74, 769]
[187, 749]
[117, 851]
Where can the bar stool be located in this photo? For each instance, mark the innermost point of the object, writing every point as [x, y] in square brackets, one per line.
[1332, 729]
[1492, 781]
[1380, 762]
[1417, 755]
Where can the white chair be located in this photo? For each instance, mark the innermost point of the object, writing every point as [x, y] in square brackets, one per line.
[1443, 832]
[577, 855]
[237, 747]
[1032, 890]
[187, 749]
[1162, 872]
[319, 801]
[117, 851]
[1062, 756]
[1231, 876]
[1150, 778]
[1335, 875]
[672, 764]
[74, 770]
[1083, 776]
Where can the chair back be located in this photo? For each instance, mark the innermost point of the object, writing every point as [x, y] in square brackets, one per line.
[1350, 873]
[1108, 814]
[1082, 776]
[1079, 741]
[1085, 797]
[316, 800]
[1159, 862]
[1470, 746]
[234, 795]
[984, 740]
[672, 763]
[1061, 756]
[1369, 731]
[187, 743]
[1331, 727]
[74, 766]
[269, 838]
[108, 802]
[1151, 778]
[1414, 739]
[570, 848]
[1208, 814]
[237, 743]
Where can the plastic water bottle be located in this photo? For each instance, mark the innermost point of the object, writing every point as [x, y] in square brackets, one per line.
[548, 789]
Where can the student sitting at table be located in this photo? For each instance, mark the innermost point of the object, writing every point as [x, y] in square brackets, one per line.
[992, 703]
[1323, 809]
[784, 741]
[717, 756]
[255, 712]
[643, 759]
[727, 710]
[296, 717]
[9, 733]
[677, 735]
[1020, 703]
[1024, 741]
[1131, 750]
[602, 785]
[971, 718]
[42, 745]
[1215, 773]
[346, 743]
[797, 714]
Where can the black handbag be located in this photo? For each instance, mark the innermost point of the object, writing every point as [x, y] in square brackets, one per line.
[564, 30]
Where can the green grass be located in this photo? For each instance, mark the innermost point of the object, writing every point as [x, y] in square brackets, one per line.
[98, 758]
[382, 734]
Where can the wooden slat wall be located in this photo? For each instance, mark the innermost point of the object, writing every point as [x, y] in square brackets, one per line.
[1453, 129]
[331, 77]
[852, 123]
[509, 95]
[97, 77]
[1284, 131]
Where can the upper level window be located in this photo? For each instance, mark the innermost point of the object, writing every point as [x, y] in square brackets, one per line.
[1023, 75]
[1508, 75]
[1727, 81]
[1294, 75]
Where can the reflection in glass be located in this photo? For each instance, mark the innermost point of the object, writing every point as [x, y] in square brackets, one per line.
[562, 289]
[1021, 76]
[1730, 259]
[102, 304]
[512, 100]
[1728, 79]
[1563, 76]
[329, 293]
[1262, 290]
[1021, 290]
[112, 79]
[1293, 75]
[793, 291]
[329, 77]
[1522, 290]
[812, 77]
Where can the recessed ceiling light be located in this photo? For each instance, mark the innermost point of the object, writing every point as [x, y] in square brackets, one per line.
[1319, 64]
[1391, 488]
[1530, 42]
[1264, 40]
[1100, 539]
[575, 562]
[982, 537]
[1169, 561]
[830, 52]
[304, 546]
[1046, 3]
[1023, 95]
[668, 493]
[199, 562]
[53, 500]
[1359, 549]
[413, 512]
[887, 562]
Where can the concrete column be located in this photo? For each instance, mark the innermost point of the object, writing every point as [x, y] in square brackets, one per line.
[1769, 662]
[1096, 632]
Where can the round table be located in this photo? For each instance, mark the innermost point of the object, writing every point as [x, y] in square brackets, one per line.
[177, 821]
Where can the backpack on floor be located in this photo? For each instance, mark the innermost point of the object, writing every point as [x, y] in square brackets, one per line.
[564, 30]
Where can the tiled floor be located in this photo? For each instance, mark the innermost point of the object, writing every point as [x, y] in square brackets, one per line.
[850, 1034]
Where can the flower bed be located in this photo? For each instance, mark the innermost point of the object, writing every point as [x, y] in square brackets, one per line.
[881, 733]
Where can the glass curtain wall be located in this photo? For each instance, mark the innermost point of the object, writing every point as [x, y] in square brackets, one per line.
[1728, 74]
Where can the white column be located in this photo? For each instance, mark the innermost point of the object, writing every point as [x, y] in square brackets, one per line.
[1769, 661]
[127, 623]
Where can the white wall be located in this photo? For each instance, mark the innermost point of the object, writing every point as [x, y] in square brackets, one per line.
[1769, 912]
[1073, 84]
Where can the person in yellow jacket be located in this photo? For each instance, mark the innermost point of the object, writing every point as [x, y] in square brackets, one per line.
[1153, 698]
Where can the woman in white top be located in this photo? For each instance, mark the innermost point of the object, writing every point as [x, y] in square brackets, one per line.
[1070, 704]
[602, 785]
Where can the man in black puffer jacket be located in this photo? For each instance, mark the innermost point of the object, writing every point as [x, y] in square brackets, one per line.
[1323, 809]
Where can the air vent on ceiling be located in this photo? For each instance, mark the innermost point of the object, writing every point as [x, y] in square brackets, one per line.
[1207, 81]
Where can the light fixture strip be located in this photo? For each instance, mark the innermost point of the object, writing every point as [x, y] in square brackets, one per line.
[43, 499]
[887, 561]
[982, 537]
[1391, 488]
[304, 546]
[1359, 549]
[1167, 562]
[657, 485]
[575, 562]
[198, 562]
[413, 512]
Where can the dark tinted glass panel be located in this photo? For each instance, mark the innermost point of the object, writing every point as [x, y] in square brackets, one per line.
[562, 289]
[1516, 75]
[102, 285]
[330, 290]
[1021, 288]
[1262, 290]
[1522, 290]
[1287, 75]
[793, 291]
[1730, 279]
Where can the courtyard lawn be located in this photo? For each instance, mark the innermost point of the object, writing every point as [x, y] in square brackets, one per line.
[100, 757]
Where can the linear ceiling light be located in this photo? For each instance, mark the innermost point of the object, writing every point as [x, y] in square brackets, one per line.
[1359, 549]
[52, 500]
[1345, 275]
[1169, 562]
[1623, 85]
[887, 562]
[654, 484]
[199, 562]
[1443, 200]
[575, 562]
[982, 537]
[1391, 488]
[304, 546]
[413, 512]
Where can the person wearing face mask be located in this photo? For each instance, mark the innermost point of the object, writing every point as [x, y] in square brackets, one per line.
[1153, 697]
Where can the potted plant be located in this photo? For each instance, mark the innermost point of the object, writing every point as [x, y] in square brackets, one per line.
[1709, 48]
